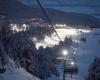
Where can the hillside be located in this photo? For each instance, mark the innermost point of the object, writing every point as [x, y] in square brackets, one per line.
[91, 7]
[15, 73]
[14, 9]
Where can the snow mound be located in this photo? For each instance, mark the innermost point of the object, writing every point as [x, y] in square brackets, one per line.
[15, 73]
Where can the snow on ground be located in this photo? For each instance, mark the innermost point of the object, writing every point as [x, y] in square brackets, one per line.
[53, 40]
[86, 50]
[15, 73]
[86, 53]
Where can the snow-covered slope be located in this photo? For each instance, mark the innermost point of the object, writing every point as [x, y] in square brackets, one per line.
[87, 51]
[54, 40]
[15, 73]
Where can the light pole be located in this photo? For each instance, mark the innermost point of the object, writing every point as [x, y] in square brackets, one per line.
[65, 53]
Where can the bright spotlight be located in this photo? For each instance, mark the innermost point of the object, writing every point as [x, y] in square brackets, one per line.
[72, 63]
[65, 52]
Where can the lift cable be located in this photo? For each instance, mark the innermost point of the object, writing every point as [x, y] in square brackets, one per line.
[48, 19]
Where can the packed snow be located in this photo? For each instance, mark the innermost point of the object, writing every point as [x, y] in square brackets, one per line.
[14, 72]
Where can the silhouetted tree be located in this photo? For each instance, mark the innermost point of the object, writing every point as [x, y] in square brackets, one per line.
[94, 70]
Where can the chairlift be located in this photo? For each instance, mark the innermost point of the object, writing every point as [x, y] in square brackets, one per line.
[69, 69]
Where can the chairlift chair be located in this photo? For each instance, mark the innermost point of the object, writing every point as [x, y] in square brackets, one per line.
[69, 69]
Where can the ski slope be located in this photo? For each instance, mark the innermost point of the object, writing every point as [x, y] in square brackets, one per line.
[15, 73]
[86, 51]
[54, 40]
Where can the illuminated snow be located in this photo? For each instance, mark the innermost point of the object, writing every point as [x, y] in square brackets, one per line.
[63, 32]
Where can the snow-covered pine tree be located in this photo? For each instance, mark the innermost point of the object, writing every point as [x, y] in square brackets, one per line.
[20, 47]
[3, 41]
[94, 70]
[46, 63]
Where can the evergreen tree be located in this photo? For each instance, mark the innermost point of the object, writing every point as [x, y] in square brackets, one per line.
[20, 47]
[94, 70]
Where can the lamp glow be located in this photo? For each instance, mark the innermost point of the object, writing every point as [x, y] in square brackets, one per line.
[72, 63]
[65, 52]
[75, 52]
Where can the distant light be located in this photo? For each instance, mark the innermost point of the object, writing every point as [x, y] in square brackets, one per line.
[11, 25]
[49, 25]
[72, 63]
[64, 25]
[56, 25]
[75, 52]
[34, 39]
[39, 45]
[24, 25]
[61, 25]
[15, 25]
[65, 52]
